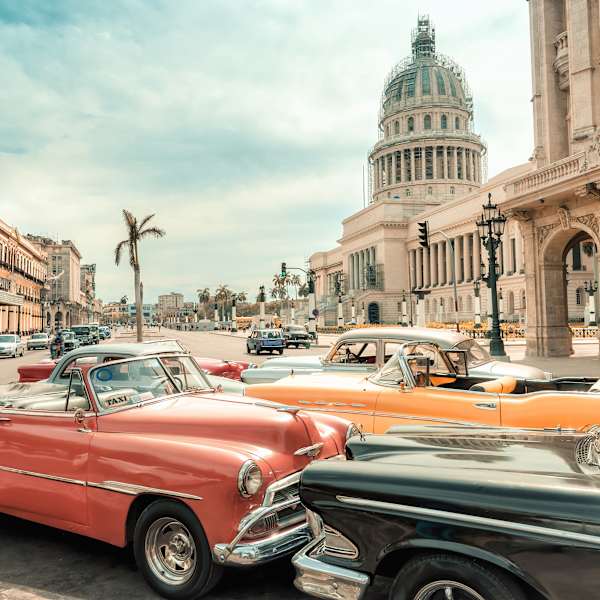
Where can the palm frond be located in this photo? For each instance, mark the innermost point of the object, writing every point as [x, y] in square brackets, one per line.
[119, 250]
[145, 221]
[156, 232]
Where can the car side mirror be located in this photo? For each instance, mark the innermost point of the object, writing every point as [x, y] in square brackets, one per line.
[458, 359]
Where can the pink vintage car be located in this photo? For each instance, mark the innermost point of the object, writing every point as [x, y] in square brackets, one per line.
[142, 450]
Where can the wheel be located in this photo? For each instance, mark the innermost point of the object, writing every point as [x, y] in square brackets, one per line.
[257, 350]
[444, 576]
[280, 350]
[248, 349]
[172, 552]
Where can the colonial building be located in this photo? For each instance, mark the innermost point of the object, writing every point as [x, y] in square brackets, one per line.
[169, 305]
[22, 278]
[429, 165]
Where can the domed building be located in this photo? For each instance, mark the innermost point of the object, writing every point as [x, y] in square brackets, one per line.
[427, 152]
[429, 165]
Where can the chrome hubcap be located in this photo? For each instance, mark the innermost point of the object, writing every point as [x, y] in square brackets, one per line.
[170, 551]
[447, 590]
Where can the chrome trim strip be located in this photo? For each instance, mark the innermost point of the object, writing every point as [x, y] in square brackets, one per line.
[279, 485]
[311, 451]
[132, 489]
[471, 520]
[43, 476]
[43, 413]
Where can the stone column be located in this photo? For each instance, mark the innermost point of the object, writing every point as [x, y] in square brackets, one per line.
[412, 164]
[435, 173]
[426, 268]
[445, 163]
[448, 263]
[361, 268]
[423, 162]
[455, 166]
[434, 264]
[372, 255]
[468, 262]
[419, 277]
[476, 256]
[441, 263]
[457, 254]
[392, 178]
[413, 268]
[402, 167]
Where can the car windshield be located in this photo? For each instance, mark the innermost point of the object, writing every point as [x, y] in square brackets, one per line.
[81, 330]
[7, 339]
[126, 383]
[68, 334]
[186, 373]
[296, 329]
[476, 355]
[38, 336]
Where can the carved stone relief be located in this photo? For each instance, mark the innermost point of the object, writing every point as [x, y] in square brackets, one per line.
[564, 217]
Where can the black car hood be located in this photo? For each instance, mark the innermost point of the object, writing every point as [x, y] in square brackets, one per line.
[533, 476]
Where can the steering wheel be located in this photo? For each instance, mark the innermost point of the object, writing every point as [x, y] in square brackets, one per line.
[350, 355]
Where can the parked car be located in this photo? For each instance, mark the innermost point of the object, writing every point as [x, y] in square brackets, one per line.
[57, 371]
[423, 383]
[230, 369]
[143, 451]
[38, 341]
[296, 336]
[266, 340]
[84, 334]
[368, 349]
[456, 513]
[70, 341]
[95, 332]
[11, 344]
[104, 332]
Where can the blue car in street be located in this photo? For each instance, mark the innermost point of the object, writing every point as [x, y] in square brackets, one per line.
[267, 340]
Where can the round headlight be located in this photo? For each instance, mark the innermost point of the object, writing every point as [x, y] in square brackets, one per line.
[249, 479]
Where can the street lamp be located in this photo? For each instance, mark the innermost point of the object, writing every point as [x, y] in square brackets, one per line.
[591, 287]
[491, 228]
[261, 304]
[477, 289]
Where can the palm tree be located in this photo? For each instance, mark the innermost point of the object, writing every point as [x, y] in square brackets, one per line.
[203, 298]
[222, 295]
[136, 232]
[303, 290]
[242, 297]
[295, 282]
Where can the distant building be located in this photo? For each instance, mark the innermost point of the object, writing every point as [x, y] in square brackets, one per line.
[23, 268]
[115, 313]
[169, 304]
[149, 313]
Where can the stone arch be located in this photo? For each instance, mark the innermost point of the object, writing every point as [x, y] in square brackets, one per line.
[553, 335]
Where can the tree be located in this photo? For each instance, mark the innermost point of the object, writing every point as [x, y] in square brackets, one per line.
[136, 232]
[222, 296]
[295, 282]
[241, 297]
[203, 298]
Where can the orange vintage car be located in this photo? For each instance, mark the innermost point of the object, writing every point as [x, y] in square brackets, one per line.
[422, 384]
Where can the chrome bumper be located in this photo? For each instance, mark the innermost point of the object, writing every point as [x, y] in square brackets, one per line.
[264, 550]
[323, 580]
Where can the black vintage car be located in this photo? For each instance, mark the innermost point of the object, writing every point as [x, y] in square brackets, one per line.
[456, 514]
[296, 335]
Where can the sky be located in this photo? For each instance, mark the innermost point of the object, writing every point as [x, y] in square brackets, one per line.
[244, 125]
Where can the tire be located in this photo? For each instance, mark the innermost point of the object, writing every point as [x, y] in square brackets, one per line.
[257, 350]
[196, 574]
[248, 351]
[280, 350]
[427, 577]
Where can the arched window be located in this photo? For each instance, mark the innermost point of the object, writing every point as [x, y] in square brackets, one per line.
[579, 296]
[444, 122]
[427, 122]
[387, 131]
[440, 83]
[452, 190]
[457, 123]
[429, 191]
[411, 124]
[397, 127]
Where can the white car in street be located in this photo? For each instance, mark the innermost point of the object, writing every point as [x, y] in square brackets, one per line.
[37, 341]
[11, 344]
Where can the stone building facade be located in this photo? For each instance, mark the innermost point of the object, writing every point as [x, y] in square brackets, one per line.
[429, 165]
[22, 278]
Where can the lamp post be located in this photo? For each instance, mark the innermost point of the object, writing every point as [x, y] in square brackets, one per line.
[491, 228]
[261, 306]
[233, 313]
[353, 313]
[404, 311]
[477, 289]
[591, 287]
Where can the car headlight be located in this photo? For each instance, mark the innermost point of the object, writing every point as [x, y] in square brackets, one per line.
[249, 479]
[352, 431]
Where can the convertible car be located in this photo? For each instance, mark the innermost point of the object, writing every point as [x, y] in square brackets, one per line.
[422, 383]
[142, 451]
[366, 350]
[457, 514]
[57, 371]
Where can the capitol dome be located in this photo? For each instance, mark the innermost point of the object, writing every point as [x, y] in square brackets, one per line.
[427, 149]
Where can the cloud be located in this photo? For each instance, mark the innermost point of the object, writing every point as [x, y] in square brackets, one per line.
[244, 125]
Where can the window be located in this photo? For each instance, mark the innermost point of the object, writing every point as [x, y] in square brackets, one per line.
[579, 296]
[407, 191]
[444, 122]
[441, 85]
[456, 123]
[396, 127]
[425, 82]
[427, 122]
[410, 84]
[452, 190]
[452, 86]
[360, 352]
[411, 124]
[429, 191]
[390, 348]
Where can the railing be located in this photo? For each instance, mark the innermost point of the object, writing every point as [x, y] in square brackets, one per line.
[445, 134]
[563, 169]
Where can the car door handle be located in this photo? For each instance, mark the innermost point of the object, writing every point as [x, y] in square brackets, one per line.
[486, 405]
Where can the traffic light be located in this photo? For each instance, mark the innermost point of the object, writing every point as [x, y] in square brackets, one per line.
[424, 234]
[283, 270]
